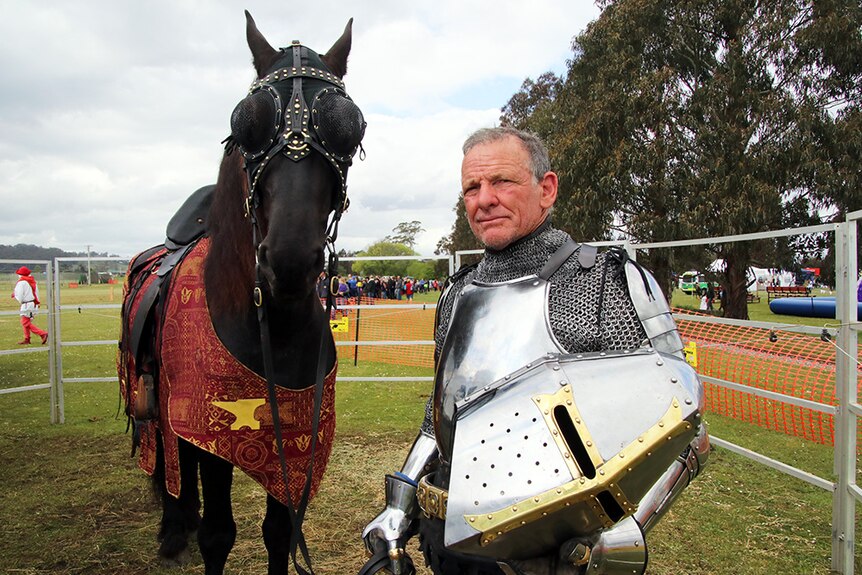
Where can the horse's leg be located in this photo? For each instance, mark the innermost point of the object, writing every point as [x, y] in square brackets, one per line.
[276, 536]
[180, 516]
[217, 531]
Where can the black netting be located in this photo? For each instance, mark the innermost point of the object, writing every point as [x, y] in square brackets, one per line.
[339, 123]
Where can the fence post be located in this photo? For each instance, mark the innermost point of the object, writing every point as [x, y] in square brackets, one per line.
[58, 403]
[52, 343]
[843, 504]
[356, 339]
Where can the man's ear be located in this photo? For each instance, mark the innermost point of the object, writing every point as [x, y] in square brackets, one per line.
[549, 185]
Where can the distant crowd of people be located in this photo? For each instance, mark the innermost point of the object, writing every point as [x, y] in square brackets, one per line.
[382, 287]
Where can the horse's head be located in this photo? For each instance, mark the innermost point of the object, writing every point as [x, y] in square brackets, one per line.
[297, 131]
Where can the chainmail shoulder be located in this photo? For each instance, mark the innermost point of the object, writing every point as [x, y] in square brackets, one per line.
[589, 308]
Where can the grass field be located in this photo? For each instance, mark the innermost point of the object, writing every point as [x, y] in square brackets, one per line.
[74, 502]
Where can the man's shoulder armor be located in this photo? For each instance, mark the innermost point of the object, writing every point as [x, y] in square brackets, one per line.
[448, 286]
[652, 309]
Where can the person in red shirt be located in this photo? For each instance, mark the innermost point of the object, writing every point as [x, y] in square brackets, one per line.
[28, 296]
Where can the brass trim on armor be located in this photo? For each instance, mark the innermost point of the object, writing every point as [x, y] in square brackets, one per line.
[563, 398]
[432, 500]
[583, 489]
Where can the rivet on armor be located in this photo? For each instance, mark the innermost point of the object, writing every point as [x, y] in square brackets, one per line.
[577, 420]
[659, 363]
[472, 520]
[490, 516]
[673, 380]
[688, 401]
[601, 471]
[661, 423]
[559, 491]
[514, 509]
[566, 455]
[602, 354]
[589, 444]
[554, 432]
[640, 439]
[536, 499]
[568, 402]
[583, 480]
[556, 368]
[622, 455]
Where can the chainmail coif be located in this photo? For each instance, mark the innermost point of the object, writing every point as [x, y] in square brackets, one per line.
[589, 309]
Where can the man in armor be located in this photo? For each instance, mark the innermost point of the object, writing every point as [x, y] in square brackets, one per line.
[566, 350]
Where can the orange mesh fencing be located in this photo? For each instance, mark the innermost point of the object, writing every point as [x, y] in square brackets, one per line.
[386, 324]
[794, 364]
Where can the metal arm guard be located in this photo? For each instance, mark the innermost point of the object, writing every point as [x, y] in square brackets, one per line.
[652, 309]
[394, 526]
[621, 550]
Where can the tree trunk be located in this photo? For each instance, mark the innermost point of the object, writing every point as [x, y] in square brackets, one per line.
[736, 283]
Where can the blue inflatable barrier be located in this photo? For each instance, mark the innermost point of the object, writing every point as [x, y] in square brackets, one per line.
[808, 307]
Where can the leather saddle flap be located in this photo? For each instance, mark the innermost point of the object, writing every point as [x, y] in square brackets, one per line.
[190, 221]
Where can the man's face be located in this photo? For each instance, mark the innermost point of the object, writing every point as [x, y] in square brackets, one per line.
[504, 202]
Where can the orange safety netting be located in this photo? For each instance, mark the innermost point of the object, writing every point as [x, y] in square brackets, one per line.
[385, 324]
[794, 364]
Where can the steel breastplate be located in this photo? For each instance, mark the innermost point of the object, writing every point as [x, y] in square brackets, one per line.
[515, 331]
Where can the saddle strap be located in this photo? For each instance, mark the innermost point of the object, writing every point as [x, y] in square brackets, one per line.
[144, 316]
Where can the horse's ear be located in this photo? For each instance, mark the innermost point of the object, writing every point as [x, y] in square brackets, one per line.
[336, 58]
[262, 53]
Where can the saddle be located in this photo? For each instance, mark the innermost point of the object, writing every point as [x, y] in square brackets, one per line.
[147, 282]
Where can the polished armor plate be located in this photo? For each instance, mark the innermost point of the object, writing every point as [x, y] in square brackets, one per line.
[564, 447]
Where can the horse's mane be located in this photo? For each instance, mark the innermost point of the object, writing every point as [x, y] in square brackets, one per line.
[229, 268]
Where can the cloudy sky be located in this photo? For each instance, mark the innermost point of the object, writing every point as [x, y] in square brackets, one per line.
[111, 112]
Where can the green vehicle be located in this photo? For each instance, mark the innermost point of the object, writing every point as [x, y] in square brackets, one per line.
[693, 282]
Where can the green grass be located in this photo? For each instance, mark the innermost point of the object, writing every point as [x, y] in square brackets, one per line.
[74, 502]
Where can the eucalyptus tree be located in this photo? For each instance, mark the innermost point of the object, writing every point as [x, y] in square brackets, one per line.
[704, 118]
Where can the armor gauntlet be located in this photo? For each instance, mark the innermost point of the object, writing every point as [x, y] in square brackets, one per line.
[396, 524]
[623, 546]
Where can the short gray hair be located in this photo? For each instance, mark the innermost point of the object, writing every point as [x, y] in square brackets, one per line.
[540, 164]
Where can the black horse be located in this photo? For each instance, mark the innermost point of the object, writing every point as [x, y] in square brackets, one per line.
[226, 358]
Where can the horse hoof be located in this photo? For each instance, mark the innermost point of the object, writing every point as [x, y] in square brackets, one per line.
[182, 558]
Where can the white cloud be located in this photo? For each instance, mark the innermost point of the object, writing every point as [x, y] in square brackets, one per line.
[111, 113]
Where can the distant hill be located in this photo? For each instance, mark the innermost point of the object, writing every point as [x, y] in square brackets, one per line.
[31, 252]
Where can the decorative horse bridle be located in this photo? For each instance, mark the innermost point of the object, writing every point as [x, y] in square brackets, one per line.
[297, 131]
